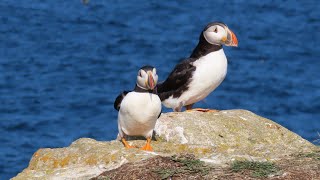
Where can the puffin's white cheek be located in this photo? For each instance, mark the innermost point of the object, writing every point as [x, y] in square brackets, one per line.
[212, 37]
[143, 73]
[140, 81]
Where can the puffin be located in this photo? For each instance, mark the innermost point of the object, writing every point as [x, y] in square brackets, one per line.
[139, 109]
[195, 77]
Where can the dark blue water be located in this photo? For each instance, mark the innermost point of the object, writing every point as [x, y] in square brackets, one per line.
[62, 63]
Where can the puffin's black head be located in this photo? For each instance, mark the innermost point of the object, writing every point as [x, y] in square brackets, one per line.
[218, 33]
[147, 78]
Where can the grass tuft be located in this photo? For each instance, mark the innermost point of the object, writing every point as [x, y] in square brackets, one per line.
[165, 173]
[258, 169]
[103, 178]
[313, 155]
[190, 165]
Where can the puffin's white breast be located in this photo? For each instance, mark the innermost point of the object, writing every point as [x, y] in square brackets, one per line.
[138, 113]
[210, 72]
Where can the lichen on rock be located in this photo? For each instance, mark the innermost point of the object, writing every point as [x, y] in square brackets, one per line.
[230, 131]
[216, 138]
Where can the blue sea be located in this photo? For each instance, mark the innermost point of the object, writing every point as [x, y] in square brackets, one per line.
[62, 63]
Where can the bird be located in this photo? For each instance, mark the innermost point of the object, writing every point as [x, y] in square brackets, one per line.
[139, 109]
[195, 77]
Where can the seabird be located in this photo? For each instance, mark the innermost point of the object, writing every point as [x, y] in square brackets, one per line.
[196, 77]
[139, 109]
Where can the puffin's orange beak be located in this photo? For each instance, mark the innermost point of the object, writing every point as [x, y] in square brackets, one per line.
[231, 39]
[151, 83]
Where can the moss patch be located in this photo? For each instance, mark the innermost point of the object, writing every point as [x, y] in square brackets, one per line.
[190, 165]
[314, 155]
[178, 167]
[257, 169]
[165, 173]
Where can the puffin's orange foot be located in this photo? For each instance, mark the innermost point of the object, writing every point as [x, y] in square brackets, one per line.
[147, 147]
[203, 110]
[125, 143]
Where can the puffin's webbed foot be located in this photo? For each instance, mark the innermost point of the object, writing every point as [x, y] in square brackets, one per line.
[147, 147]
[125, 143]
[202, 110]
[189, 107]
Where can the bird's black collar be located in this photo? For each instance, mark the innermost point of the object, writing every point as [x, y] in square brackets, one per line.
[141, 90]
[203, 48]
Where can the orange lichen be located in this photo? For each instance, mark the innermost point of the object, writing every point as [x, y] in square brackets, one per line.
[91, 160]
[222, 148]
[65, 161]
[45, 158]
[113, 157]
[56, 163]
[205, 150]
[182, 148]
[36, 154]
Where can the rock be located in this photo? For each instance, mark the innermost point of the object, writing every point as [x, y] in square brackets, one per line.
[184, 167]
[87, 158]
[297, 166]
[231, 132]
[216, 138]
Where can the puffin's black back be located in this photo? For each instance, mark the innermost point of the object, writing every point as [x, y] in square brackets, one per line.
[178, 80]
[180, 77]
[118, 100]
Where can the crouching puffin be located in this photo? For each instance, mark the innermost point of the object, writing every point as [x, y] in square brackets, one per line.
[196, 77]
[140, 108]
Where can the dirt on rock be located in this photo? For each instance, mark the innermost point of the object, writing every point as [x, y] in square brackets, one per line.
[299, 166]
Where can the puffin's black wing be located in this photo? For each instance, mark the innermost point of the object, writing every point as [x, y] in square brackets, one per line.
[118, 100]
[178, 80]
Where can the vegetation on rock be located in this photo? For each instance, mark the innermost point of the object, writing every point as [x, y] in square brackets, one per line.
[190, 166]
[212, 141]
[258, 169]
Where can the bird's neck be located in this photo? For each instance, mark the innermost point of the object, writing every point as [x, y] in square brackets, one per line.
[137, 88]
[203, 48]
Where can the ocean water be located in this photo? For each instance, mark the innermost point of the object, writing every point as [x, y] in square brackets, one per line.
[62, 63]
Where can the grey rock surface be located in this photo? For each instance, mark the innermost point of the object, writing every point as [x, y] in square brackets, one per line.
[214, 137]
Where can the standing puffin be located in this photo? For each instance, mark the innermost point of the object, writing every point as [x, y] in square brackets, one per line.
[196, 77]
[140, 108]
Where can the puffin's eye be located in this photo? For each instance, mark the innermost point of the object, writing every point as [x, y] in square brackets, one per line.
[215, 30]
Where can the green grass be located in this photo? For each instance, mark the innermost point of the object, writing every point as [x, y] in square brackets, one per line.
[104, 178]
[314, 155]
[258, 169]
[190, 165]
[165, 173]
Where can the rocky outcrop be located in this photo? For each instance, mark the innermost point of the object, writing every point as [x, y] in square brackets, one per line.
[216, 138]
[233, 133]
